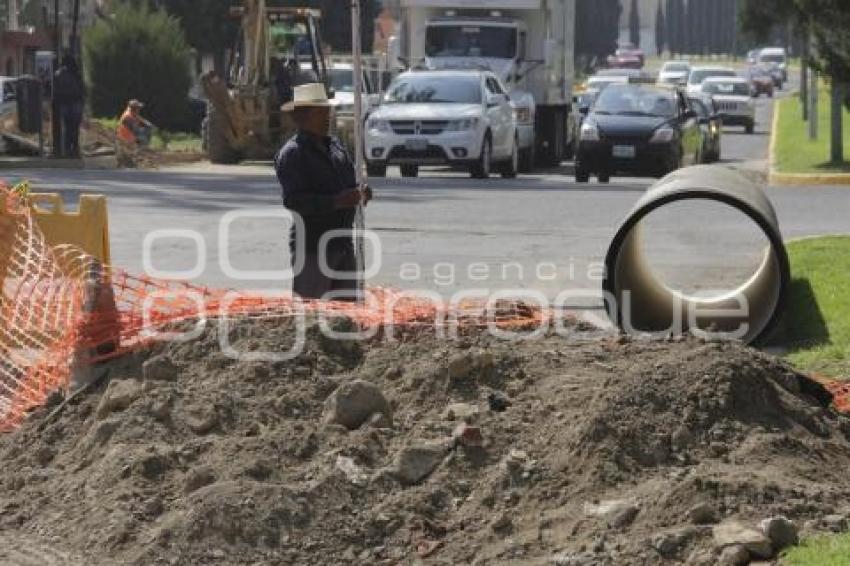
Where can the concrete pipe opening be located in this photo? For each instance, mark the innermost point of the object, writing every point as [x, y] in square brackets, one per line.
[728, 219]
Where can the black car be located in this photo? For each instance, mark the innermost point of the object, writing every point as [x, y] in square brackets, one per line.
[711, 125]
[639, 130]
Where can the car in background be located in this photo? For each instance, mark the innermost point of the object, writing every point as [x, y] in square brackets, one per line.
[761, 81]
[699, 74]
[733, 99]
[627, 56]
[462, 118]
[674, 73]
[637, 129]
[341, 76]
[778, 58]
[753, 57]
[598, 82]
[711, 125]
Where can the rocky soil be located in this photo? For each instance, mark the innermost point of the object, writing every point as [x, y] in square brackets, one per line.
[473, 451]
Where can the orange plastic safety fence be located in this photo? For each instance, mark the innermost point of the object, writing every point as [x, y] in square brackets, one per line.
[60, 307]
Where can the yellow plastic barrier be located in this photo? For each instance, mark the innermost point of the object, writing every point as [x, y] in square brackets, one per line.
[86, 228]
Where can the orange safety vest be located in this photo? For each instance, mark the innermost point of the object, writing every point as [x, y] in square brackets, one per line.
[125, 133]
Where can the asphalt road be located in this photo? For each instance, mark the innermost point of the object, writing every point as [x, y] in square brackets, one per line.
[444, 231]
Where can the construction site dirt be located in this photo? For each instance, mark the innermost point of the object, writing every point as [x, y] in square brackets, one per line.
[470, 451]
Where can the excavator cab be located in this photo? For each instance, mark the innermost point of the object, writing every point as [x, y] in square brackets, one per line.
[277, 49]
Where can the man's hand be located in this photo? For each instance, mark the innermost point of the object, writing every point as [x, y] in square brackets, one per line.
[353, 198]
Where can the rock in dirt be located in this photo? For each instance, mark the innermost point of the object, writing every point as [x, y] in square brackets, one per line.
[354, 402]
[202, 420]
[351, 470]
[198, 478]
[781, 532]
[461, 366]
[669, 544]
[468, 435]
[617, 513]
[466, 412]
[702, 514]
[735, 533]
[735, 555]
[119, 395]
[160, 368]
[835, 523]
[415, 463]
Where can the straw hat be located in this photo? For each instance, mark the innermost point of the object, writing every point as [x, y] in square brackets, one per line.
[310, 94]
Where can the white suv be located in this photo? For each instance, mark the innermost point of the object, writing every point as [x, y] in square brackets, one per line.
[733, 100]
[450, 117]
[699, 74]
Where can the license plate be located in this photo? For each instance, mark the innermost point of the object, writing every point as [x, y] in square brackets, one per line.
[416, 145]
[624, 151]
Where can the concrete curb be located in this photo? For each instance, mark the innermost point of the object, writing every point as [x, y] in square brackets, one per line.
[94, 163]
[797, 179]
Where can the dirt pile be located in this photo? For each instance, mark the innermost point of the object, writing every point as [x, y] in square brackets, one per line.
[473, 451]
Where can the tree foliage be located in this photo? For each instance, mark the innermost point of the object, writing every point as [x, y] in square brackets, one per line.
[138, 53]
[634, 24]
[597, 29]
[660, 29]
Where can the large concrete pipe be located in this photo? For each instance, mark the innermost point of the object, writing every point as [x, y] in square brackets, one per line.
[639, 301]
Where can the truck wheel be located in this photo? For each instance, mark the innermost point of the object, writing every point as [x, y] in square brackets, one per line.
[751, 127]
[604, 177]
[551, 126]
[409, 170]
[526, 159]
[481, 168]
[218, 147]
[510, 167]
[376, 169]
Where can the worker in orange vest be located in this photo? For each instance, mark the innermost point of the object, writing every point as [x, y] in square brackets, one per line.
[132, 128]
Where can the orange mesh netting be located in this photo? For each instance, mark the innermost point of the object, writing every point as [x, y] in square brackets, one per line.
[60, 307]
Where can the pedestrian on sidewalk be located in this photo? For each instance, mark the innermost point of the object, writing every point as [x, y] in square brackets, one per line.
[69, 96]
[319, 183]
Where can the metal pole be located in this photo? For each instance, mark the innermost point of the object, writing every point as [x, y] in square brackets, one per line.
[360, 216]
[836, 116]
[813, 92]
[804, 79]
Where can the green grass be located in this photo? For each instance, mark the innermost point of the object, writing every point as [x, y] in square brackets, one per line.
[795, 153]
[817, 333]
[817, 325]
[820, 551]
[176, 142]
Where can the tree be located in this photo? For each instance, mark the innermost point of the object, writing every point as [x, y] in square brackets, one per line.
[597, 30]
[208, 25]
[634, 24]
[660, 30]
[138, 53]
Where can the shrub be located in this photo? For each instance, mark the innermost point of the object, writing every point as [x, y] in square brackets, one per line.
[143, 54]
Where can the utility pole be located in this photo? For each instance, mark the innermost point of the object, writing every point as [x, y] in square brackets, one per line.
[804, 78]
[836, 117]
[813, 93]
[55, 119]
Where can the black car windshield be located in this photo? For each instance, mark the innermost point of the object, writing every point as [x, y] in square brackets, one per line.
[471, 41]
[434, 89]
[628, 100]
[700, 75]
[726, 88]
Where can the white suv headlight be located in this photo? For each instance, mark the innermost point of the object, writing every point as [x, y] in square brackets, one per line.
[664, 134]
[377, 125]
[462, 125]
[589, 131]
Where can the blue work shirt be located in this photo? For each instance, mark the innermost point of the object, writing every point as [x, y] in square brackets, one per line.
[312, 172]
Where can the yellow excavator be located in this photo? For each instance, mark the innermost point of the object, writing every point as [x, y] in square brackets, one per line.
[277, 49]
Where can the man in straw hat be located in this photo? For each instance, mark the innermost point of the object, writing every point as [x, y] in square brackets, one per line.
[319, 184]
